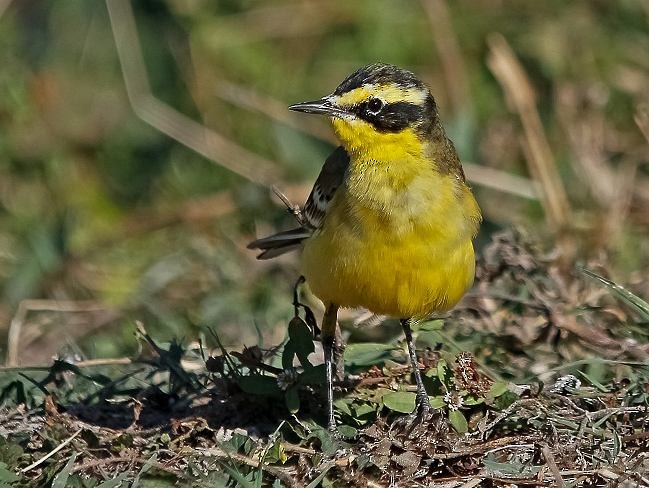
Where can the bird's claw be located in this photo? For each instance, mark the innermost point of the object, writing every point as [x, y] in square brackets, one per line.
[421, 419]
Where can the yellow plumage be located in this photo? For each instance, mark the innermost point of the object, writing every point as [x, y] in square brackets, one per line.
[397, 238]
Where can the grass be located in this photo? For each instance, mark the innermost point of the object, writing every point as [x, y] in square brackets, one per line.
[552, 393]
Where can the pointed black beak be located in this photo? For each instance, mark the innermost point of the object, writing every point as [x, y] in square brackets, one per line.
[322, 106]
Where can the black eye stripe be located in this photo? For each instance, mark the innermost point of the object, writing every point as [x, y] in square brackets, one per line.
[393, 117]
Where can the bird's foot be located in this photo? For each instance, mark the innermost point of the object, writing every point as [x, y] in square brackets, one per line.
[421, 420]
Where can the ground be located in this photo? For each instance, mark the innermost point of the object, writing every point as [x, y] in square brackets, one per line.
[538, 378]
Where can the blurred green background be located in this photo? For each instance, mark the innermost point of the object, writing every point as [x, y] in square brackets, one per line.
[120, 205]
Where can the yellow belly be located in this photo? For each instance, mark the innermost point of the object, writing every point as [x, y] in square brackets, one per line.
[401, 267]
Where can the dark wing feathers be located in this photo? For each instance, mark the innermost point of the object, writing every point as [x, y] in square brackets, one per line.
[279, 243]
[331, 177]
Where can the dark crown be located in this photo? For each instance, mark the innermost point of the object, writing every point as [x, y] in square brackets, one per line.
[379, 74]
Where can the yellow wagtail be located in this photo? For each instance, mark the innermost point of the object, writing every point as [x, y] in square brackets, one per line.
[390, 222]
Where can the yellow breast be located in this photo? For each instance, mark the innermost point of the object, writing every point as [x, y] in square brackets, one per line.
[397, 240]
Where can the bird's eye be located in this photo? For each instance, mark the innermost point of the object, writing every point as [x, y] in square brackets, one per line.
[374, 105]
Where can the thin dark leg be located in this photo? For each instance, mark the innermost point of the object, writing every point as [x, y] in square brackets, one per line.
[328, 346]
[423, 404]
[339, 355]
[329, 322]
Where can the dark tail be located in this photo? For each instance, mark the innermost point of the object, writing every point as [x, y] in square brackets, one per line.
[280, 243]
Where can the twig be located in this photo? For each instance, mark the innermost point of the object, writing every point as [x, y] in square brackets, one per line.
[519, 92]
[250, 99]
[4, 4]
[597, 337]
[88, 363]
[288, 447]
[450, 54]
[471, 483]
[26, 306]
[508, 411]
[52, 452]
[501, 181]
[166, 119]
[490, 445]
[554, 469]
[294, 209]
[123, 459]
[615, 411]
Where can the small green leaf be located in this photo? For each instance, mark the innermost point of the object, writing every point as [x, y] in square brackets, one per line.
[510, 468]
[114, 483]
[145, 468]
[239, 443]
[7, 476]
[444, 373]
[236, 475]
[431, 325]
[505, 400]
[367, 354]
[61, 479]
[292, 398]
[458, 421]
[318, 479]
[436, 402]
[301, 338]
[471, 400]
[347, 431]
[429, 338]
[328, 444]
[276, 453]
[497, 389]
[363, 409]
[343, 405]
[404, 401]
[400, 401]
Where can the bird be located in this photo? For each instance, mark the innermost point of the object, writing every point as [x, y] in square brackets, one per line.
[390, 222]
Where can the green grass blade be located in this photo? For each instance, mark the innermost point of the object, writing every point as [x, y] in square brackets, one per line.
[61, 479]
[640, 306]
[114, 483]
[236, 475]
[145, 467]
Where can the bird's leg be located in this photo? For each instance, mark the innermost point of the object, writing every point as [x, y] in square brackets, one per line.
[422, 403]
[339, 354]
[329, 324]
[327, 345]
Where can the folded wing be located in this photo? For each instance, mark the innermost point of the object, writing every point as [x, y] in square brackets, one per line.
[314, 211]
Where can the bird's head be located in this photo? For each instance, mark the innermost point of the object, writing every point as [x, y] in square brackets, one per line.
[379, 108]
